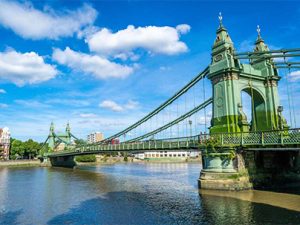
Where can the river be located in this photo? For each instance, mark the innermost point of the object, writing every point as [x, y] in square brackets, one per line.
[134, 193]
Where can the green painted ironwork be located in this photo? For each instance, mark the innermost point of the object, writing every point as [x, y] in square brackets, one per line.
[229, 126]
[259, 79]
[54, 139]
[162, 106]
[275, 138]
[174, 122]
[141, 146]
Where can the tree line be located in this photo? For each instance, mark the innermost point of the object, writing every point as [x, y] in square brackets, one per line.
[24, 149]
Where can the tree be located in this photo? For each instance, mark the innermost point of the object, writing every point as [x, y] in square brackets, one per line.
[17, 149]
[80, 142]
[31, 148]
[86, 158]
[27, 149]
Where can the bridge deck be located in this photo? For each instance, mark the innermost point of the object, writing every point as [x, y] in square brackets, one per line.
[288, 140]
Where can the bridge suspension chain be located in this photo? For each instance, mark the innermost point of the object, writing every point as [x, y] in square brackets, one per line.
[162, 106]
[176, 121]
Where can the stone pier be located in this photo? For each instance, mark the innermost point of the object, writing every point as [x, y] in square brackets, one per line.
[63, 161]
[253, 169]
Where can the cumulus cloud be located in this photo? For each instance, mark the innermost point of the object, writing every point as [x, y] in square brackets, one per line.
[97, 66]
[183, 28]
[29, 22]
[111, 105]
[2, 91]
[131, 104]
[161, 40]
[23, 68]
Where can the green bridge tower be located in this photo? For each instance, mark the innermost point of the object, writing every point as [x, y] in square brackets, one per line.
[54, 139]
[230, 78]
[232, 166]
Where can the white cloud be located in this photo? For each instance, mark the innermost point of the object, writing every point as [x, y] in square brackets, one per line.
[183, 28]
[97, 66]
[111, 105]
[23, 68]
[2, 91]
[295, 75]
[162, 40]
[131, 104]
[29, 22]
[87, 115]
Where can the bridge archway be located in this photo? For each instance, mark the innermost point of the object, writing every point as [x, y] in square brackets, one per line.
[254, 108]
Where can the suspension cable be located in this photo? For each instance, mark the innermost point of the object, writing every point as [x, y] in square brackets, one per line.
[288, 93]
[162, 106]
[177, 120]
[204, 96]
[292, 100]
[195, 131]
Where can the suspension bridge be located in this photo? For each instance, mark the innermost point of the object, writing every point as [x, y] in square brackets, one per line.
[215, 96]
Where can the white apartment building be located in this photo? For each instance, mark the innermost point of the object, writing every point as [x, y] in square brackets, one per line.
[95, 137]
[5, 142]
[167, 154]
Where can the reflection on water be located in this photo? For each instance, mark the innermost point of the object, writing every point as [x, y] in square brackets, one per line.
[283, 200]
[133, 194]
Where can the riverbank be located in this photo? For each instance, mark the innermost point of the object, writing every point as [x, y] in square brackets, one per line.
[102, 161]
[22, 163]
[121, 160]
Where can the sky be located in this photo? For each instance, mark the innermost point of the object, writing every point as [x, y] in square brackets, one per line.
[101, 65]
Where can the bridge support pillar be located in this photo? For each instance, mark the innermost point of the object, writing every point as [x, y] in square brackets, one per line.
[224, 171]
[63, 161]
[251, 169]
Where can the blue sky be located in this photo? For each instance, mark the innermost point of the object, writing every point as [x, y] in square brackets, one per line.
[103, 64]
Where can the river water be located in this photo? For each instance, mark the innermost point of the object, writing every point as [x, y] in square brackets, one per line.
[134, 193]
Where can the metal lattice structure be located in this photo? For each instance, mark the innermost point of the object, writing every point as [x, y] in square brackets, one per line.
[229, 126]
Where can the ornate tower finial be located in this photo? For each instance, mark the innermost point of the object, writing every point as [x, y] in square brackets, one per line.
[220, 19]
[68, 128]
[258, 31]
[52, 127]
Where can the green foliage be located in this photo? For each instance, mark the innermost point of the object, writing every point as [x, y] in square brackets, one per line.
[214, 149]
[80, 142]
[86, 158]
[212, 145]
[27, 149]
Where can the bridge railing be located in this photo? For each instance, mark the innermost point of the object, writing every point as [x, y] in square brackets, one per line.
[158, 144]
[247, 139]
[257, 138]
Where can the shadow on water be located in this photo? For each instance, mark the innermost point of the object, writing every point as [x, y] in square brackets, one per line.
[130, 208]
[10, 217]
[138, 208]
